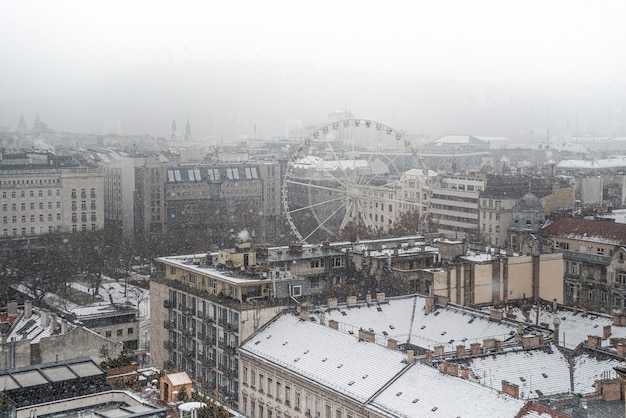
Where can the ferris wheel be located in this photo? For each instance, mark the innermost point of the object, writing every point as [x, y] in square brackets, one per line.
[346, 172]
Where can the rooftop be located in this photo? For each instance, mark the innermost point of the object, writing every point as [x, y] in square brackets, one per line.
[587, 230]
[425, 392]
[294, 345]
[404, 320]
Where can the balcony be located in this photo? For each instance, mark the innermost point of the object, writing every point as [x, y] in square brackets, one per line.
[208, 361]
[229, 349]
[223, 322]
[602, 260]
[209, 320]
[189, 332]
[188, 311]
[232, 327]
[169, 324]
[222, 343]
[168, 304]
[169, 345]
[190, 354]
[207, 339]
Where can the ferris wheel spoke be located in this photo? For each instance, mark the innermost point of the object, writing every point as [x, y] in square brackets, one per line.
[322, 225]
[315, 186]
[314, 205]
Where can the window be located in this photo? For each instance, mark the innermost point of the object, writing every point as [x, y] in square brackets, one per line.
[307, 405]
[621, 277]
[232, 173]
[93, 193]
[253, 378]
[120, 332]
[600, 251]
[261, 382]
[131, 331]
[297, 402]
[108, 334]
[603, 297]
[73, 193]
[296, 290]
[214, 174]
[287, 394]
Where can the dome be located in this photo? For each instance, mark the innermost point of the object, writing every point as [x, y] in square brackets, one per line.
[528, 202]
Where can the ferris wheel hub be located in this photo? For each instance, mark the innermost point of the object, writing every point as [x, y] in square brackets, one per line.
[354, 193]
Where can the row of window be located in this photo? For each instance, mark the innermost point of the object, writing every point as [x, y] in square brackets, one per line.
[31, 193]
[286, 393]
[120, 332]
[213, 174]
[14, 231]
[31, 206]
[83, 193]
[25, 218]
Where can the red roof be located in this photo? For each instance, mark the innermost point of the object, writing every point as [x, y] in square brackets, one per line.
[587, 230]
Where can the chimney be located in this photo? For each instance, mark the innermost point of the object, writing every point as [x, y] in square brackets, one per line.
[367, 336]
[465, 373]
[333, 324]
[44, 318]
[475, 349]
[391, 343]
[438, 350]
[64, 326]
[332, 303]
[53, 322]
[606, 331]
[496, 314]
[305, 316]
[12, 308]
[585, 312]
[429, 303]
[429, 357]
[529, 341]
[575, 310]
[510, 389]
[351, 301]
[28, 308]
[498, 345]
[460, 350]
[380, 297]
[489, 343]
[368, 298]
[621, 349]
[594, 341]
[410, 356]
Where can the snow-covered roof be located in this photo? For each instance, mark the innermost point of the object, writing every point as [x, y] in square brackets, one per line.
[33, 329]
[418, 172]
[404, 320]
[425, 392]
[573, 327]
[180, 378]
[599, 164]
[458, 139]
[103, 309]
[303, 348]
[536, 372]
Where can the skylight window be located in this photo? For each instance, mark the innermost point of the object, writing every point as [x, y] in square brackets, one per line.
[340, 366]
[416, 400]
[365, 376]
[399, 393]
[350, 383]
[545, 376]
[297, 359]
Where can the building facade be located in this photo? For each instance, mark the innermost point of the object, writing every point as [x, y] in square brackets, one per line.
[454, 206]
[593, 258]
[40, 195]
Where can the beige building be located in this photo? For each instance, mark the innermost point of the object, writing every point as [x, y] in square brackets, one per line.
[497, 278]
[39, 196]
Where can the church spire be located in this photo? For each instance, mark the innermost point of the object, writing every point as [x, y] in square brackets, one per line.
[174, 134]
[188, 131]
[21, 126]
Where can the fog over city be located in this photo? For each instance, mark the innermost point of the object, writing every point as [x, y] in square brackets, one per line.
[432, 68]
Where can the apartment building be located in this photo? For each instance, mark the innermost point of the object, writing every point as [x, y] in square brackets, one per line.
[204, 305]
[115, 322]
[593, 258]
[40, 194]
[147, 196]
[454, 206]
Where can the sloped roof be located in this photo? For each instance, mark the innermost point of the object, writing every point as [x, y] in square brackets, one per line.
[587, 230]
[404, 320]
[329, 358]
[425, 392]
[178, 379]
[459, 139]
[536, 372]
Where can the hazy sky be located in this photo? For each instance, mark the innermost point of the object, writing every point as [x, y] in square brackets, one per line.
[50, 46]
